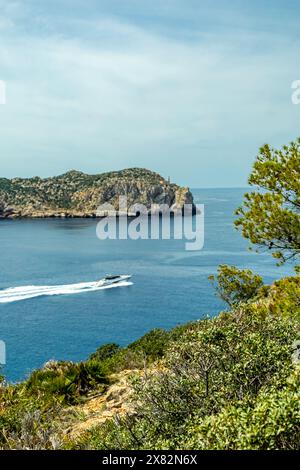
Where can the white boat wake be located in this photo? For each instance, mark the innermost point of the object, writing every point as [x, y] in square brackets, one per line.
[14, 294]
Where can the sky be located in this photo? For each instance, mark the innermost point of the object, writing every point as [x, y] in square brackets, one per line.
[188, 88]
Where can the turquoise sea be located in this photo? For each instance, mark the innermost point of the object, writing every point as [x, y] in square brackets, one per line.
[169, 284]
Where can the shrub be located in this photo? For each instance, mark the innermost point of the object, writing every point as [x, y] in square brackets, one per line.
[145, 350]
[35, 432]
[227, 360]
[236, 285]
[272, 421]
[105, 351]
[65, 381]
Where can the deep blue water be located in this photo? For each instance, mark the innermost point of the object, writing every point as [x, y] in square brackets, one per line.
[170, 284]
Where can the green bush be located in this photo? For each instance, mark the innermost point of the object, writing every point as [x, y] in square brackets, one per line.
[229, 360]
[105, 351]
[236, 285]
[144, 351]
[272, 421]
[65, 381]
[152, 345]
[222, 383]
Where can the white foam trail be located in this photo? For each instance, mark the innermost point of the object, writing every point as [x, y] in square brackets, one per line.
[14, 294]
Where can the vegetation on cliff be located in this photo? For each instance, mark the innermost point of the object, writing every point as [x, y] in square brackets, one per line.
[76, 194]
[229, 382]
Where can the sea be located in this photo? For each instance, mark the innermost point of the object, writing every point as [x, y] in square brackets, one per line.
[51, 308]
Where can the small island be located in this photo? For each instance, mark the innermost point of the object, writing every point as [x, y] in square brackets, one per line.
[76, 194]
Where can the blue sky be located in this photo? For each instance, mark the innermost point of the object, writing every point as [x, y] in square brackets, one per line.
[187, 88]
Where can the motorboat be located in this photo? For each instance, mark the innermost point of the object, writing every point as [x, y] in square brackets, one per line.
[113, 279]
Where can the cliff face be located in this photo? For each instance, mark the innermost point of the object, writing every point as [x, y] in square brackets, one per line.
[76, 194]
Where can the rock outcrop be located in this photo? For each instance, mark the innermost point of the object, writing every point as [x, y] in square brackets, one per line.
[76, 194]
[5, 211]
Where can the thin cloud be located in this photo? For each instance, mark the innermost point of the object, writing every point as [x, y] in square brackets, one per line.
[109, 93]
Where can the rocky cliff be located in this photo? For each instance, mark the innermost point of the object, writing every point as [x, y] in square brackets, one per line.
[76, 194]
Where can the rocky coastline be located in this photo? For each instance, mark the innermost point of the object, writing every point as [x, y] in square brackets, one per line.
[79, 195]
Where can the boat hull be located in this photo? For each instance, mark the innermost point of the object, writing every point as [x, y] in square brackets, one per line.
[107, 282]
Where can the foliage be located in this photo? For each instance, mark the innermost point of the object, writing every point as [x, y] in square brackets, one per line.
[270, 216]
[35, 431]
[78, 194]
[281, 298]
[272, 421]
[140, 353]
[29, 410]
[105, 351]
[236, 285]
[229, 382]
[41, 399]
[65, 381]
[231, 364]
[222, 383]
